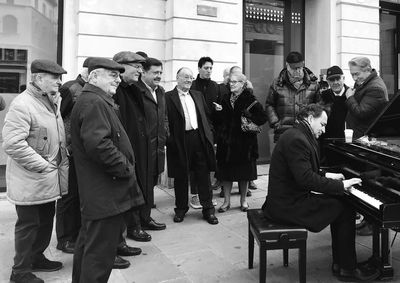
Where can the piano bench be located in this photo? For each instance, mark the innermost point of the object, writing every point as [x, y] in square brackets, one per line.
[274, 236]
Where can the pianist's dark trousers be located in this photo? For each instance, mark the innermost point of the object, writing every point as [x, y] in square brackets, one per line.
[343, 235]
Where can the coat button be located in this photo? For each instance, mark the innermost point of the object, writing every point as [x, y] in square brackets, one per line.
[114, 178]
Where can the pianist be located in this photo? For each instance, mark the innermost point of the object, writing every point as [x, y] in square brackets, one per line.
[300, 193]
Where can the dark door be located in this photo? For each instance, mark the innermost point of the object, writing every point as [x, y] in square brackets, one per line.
[389, 32]
[271, 30]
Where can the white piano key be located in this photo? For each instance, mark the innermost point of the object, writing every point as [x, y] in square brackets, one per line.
[365, 197]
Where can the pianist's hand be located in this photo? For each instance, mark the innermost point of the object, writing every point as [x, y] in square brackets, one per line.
[350, 182]
[335, 176]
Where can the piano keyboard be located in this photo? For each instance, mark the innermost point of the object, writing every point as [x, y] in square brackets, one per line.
[365, 197]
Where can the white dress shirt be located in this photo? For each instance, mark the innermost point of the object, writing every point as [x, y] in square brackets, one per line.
[152, 91]
[189, 110]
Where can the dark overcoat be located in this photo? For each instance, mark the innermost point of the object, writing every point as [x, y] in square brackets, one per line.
[133, 118]
[176, 148]
[157, 123]
[234, 145]
[294, 173]
[103, 157]
[365, 105]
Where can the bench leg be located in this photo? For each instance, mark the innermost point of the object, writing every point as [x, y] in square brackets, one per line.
[251, 249]
[285, 257]
[263, 262]
[303, 262]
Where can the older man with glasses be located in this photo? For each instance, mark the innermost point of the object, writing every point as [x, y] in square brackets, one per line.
[105, 167]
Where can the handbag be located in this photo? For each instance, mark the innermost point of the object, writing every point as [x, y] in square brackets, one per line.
[247, 125]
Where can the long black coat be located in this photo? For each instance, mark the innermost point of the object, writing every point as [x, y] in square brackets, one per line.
[294, 172]
[157, 123]
[133, 118]
[176, 149]
[103, 157]
[233, 145]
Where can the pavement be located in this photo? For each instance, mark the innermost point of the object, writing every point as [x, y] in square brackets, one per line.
[194, 251]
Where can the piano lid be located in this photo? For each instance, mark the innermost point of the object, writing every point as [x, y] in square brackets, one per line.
[388, 121]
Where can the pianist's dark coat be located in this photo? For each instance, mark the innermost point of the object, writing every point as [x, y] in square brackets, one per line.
[294, 173]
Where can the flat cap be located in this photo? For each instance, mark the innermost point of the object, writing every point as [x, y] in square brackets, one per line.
[334, 71]
[86, 62]
[128, 57]
[100, 62]
[294, 57]
[46, 66]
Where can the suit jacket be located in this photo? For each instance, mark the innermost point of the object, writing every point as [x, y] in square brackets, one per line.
[176, 149]
[157, 124]
[103, 157]
[133, 118]
[294, 173]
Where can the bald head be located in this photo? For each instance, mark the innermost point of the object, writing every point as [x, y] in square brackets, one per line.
[184, 78]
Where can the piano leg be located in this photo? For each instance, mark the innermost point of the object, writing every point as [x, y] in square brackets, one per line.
[386, 267]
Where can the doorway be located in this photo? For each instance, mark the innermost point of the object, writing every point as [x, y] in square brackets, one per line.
[271, 30]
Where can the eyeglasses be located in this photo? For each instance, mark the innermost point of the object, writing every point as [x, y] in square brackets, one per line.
[234, 82]
[136, 66]
[188, 78]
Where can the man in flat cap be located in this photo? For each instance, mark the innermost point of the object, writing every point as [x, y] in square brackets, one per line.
[334, 101]
[295, 86]
[68, 214]
[133, 117]
[37, 168]
[105, 168]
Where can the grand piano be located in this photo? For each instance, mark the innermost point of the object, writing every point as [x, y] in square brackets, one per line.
[375, 158]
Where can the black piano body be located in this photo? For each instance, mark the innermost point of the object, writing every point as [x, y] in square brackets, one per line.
[375, 158]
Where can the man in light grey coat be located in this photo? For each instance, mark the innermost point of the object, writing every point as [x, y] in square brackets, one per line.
[37, 168]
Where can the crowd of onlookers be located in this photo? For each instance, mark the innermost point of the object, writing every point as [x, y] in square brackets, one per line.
[90, 151]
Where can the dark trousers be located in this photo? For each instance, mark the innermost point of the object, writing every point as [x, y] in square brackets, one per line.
[96, 248]
[68, 214]
[197, 163]
[343, 238]
[142, 215]
[32, 234]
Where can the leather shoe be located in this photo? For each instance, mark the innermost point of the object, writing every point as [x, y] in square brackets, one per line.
[46, 265]
[224, 209]
[125, 250]
[26, 277]
[179, 216]
[357, 275]
[66, 247]
[211, 219]
[120, 263]
[153, 225]
[139, 236]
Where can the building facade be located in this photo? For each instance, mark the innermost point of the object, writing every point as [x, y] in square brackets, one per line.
[253, 34]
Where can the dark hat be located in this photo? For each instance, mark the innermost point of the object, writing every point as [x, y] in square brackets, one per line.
[100, 62]
[334, 71]
[128, 57]
[86, 62]
[46, 66]
[294, 57]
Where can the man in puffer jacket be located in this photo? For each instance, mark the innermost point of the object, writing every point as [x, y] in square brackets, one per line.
[296, 86]
[37, 168]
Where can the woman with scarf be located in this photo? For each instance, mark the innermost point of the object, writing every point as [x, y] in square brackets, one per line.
[237, 151]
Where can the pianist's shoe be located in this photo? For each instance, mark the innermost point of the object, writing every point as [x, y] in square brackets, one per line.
[357, 275]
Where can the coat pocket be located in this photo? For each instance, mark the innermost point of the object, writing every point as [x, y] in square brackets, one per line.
[42, 142]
